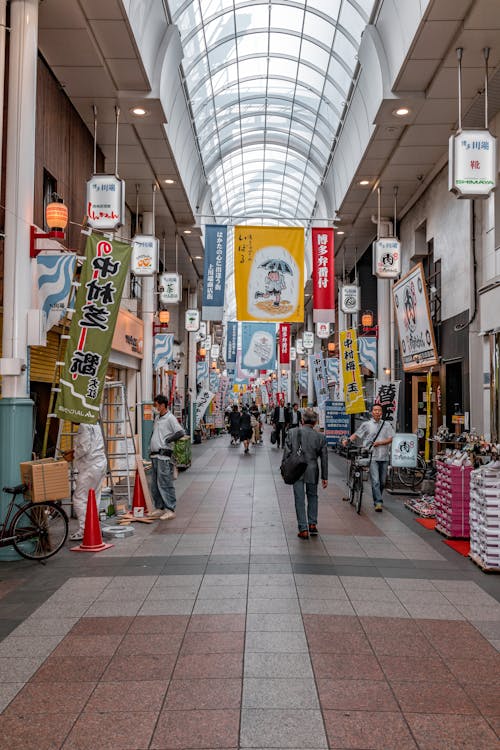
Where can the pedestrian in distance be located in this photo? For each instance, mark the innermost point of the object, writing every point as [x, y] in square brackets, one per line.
[166, 431]
[280, 422]
[245, 428]
[377, 435]
[234, 424]
[295, 417]
[315, 449]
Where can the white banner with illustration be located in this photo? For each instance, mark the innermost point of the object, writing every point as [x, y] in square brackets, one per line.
[416, 334]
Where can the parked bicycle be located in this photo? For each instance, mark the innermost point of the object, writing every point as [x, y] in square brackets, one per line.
[414, 476]
[359, 464]
[35, 530]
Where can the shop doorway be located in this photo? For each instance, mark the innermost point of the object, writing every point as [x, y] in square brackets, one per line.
[454, 392]
[419, 407]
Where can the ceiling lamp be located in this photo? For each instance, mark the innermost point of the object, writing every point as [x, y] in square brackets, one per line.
[364, 183]
[139, 111]
[401, 112]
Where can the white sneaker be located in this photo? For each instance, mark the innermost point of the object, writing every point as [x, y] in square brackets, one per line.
[155, 513]
[76, 536]
[167, 515]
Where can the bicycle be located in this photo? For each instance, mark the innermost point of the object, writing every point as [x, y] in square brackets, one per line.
[413, 477]
[359, 460]
[37, 531]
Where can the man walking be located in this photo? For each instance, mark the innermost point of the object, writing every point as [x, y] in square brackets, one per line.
[295, 417]
[314, 447]
[376, 434]
[280, 422]
[165, 431]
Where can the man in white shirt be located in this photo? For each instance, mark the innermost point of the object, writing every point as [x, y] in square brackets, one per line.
[166, 430]
[377, 435]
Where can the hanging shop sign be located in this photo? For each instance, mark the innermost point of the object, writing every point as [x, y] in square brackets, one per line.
[293, 354]
[214, 351]
[323, 279]
[170, 288]
[322, 330]
[92, 327]
[201, 372]
[299, 345]
[201, 332]
[192, 320]
[404, 450]
[416, 334]
[318, 369]
[214, 272]
[284, 343]
[163, 349]
[308, 340]
[472, 171]
[269, 273]
[350, 298]
[144, 255]
[387, 395]
[351, 373]
[333, 377]
[54, 274]
[105, 202]
[232, 342]
[387, 258]
[367, 352]
[258, 346]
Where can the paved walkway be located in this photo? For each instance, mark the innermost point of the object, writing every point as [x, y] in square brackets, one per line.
[221, 630]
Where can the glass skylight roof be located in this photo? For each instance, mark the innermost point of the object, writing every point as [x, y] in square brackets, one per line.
[268, 83]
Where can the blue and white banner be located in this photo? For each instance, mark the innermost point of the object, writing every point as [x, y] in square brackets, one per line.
[367, 352]
[333, 377]
[55, 272]
[201, 372]
[318, 369]
[214, 272]
[231, 342]
[163, 349]
[302, 378]
[213, 381]
[258, 346]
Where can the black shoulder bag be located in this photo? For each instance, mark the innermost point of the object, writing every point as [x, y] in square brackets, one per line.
[294, 465]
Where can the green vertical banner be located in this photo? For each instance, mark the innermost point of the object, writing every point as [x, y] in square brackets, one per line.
[92, 326]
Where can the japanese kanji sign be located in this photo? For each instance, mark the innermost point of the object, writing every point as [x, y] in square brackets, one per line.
[351, 373]
[318, 368]
[387, 395]
[92, 327]
[232, 343]
[284, 343]
[214, 272]
[105, 202]
[323, 275]
[472, 163]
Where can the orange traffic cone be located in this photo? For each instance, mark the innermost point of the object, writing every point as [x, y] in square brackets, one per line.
[92, 539]
[139, 500]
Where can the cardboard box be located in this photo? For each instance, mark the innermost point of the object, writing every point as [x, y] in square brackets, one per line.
[46, 478]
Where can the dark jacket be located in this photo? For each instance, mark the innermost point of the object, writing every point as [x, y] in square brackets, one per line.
[313, 446]
[245, 426]
[234, 422]
[276, 414]
[299, 417]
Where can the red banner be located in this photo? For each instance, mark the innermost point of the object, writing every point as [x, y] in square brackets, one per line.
[284, 339]
[323, 275]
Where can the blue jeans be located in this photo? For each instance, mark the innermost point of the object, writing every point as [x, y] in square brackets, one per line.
[378, 475]
[304, 518]
[162, 485]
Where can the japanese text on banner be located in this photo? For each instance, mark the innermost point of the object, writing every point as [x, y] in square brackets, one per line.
[353, 386]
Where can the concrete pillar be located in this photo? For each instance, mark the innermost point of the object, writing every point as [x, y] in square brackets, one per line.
[16, 408]
[149, 306]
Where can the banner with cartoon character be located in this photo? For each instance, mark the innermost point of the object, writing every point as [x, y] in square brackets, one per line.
[258, 346]
[416, 335]
[269, 273]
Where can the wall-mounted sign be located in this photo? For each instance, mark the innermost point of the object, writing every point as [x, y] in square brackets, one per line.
[128, 336]
[350, 298]
[293, 354]
[299, 345]
[192, 318]
[387, 258]
[322, 330]
[416, 334]
[215, 351]
[308, 340]
[105, 202]
[472, 171]
[144, 255]
[170, 288]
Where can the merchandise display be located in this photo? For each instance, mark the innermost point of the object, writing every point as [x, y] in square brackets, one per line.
[452, 495]
[424, 506]
[485, 516]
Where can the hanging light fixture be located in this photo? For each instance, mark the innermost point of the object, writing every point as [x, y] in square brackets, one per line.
[202, 351]
[214, 365]
[331, 346]
[302, 363]
[367, 319]
[164, 317]
[56, 218]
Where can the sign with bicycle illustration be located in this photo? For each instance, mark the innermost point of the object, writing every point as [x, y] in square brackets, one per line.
[404, 450]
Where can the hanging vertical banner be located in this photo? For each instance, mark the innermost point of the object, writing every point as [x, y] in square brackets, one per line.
[333, 377]
[416, 333]
[214, 272]
[269, 273]
[258, 346]
[92, 326]
[163, 349]
[232, 343]
[387, 395]
[201, 372]
[323, 277]
[318, 369]
[202, 402]
[351, 373]
[302, 378]
[284, 343]
[54, 271]
[367, 352]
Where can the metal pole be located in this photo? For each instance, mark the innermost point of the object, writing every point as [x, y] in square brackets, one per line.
[459, 58]
[148, 313]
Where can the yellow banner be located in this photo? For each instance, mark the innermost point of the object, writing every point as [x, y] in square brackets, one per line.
[269, 273]
[351, 373]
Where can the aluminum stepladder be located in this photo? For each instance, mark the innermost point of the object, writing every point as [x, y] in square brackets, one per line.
[120, 445]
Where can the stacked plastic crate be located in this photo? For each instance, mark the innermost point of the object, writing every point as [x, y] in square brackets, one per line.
[485, 517]
[452, 496]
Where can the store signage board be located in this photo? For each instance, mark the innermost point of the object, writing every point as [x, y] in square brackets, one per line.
[322, 330]
[201, 332]
[299, 346]
[308, 340]
[472, 171]
[350, 298]
[293, 354]
[387, 258]
[105, 202]
[337, 422]
[192, 318]
[215, 351]
[144, 255]
[416, 334]
[404, 450]
[170, 288]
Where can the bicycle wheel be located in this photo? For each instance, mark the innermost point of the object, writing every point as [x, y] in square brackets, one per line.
[414, 476]
[358, 493]
[39, 530]
[352, 485]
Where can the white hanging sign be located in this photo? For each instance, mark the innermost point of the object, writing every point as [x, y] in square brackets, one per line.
[472, 171]
[170, 288]
[202, 331]
[350, 298]
[105, 202]
[293, 353]
[387, 258]
[192, 319]
[299, 345]
[322, 330]
[308, 340]
[144, 255]
[214, 351]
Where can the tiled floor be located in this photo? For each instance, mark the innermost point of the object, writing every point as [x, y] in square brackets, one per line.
[221, 630]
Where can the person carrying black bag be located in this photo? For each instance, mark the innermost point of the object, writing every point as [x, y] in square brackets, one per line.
[314, 447]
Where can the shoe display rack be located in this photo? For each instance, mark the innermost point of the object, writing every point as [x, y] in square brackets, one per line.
[485, 517]
[452, 500]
